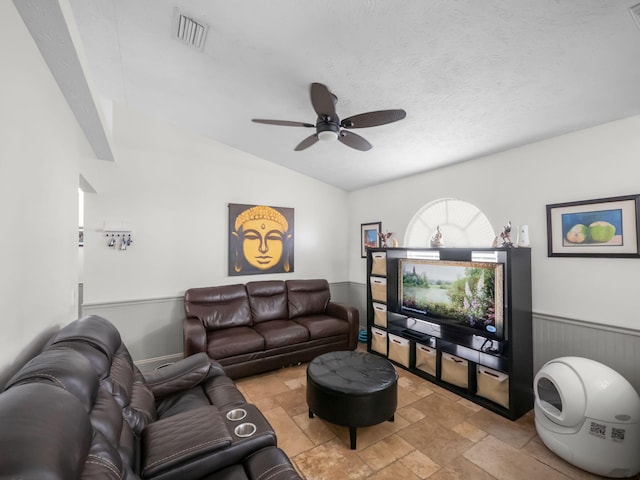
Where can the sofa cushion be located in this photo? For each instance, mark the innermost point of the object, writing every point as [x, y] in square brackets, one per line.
[181, 402]
[106, 417]
[126, 384]
[268, 300]
[128, 449]
[234, 341]
[93, 329]
[104, 461]
[31, 416]
[269, 463]
[219, 307]
[64, 368]
[278, 333]
[307, 297]
[323, 326]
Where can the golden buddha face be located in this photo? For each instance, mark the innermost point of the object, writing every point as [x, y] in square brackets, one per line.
[262, 243]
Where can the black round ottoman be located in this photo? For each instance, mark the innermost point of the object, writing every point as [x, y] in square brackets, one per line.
[353, 389]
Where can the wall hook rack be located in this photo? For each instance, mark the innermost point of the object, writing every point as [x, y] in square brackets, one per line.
[119, 239]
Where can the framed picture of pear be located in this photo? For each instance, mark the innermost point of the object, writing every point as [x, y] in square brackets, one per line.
[605, 227]
[260, 239]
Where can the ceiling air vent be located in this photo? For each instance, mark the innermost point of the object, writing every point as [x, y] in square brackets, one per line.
[635, 13]
[190, 31]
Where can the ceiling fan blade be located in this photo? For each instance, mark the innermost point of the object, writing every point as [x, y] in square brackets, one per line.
[322, 101]
[307, 142]
[353, 140]
[284, 123]
[373, 119]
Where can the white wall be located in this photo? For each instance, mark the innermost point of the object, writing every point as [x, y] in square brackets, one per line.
[517, 185]
[40, 143]
[172, 188]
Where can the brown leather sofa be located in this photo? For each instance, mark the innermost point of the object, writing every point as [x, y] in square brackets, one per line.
[266, 325]
[82, 409]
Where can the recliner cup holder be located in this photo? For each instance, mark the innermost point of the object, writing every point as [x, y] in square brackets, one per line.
[236, 414]
[245, 430]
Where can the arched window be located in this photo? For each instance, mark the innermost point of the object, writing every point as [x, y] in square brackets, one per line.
[462, 225]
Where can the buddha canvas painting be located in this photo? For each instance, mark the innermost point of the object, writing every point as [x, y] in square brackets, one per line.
[260, 239]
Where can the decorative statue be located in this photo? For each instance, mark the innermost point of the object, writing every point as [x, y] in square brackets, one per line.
[505, 236]
[437, 240]
[384, 237]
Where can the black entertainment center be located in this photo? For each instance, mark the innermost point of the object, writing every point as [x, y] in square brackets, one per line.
[458, 317]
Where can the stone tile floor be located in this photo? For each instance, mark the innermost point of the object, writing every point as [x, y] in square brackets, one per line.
[436, 435]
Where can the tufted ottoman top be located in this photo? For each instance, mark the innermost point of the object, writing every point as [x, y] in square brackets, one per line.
[353, 373]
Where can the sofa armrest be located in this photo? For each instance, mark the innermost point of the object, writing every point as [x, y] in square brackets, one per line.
[182, 375]
[198, 443]
[194, 336]
[351, 315]
[174, 442]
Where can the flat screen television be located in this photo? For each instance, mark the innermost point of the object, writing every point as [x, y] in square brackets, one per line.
[462, 293]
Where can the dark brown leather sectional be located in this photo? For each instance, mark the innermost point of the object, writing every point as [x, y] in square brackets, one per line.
[266, 325]
[82, 409]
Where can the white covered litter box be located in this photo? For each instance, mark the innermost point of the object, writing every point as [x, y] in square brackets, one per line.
[588, 414]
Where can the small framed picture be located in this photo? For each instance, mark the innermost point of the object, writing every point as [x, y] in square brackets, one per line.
[369, 237]
[605, 227]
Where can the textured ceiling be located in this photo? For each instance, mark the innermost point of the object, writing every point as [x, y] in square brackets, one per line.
[474, 77]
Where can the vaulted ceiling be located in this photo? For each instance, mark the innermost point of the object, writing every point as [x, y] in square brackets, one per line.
[475, 77]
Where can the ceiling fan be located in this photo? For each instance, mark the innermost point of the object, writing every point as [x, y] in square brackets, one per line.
[329, 127]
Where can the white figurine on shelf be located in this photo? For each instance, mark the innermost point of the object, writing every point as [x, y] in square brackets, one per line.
[437, 240]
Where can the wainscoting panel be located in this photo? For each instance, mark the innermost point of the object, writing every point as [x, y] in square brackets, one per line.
[618, 348]
[150, 328]
[353, 294]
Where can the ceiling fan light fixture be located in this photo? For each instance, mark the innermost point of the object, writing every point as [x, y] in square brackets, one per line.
[327, 135]
[327, 130]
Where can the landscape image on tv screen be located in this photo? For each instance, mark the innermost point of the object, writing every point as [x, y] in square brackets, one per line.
[460, 293]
